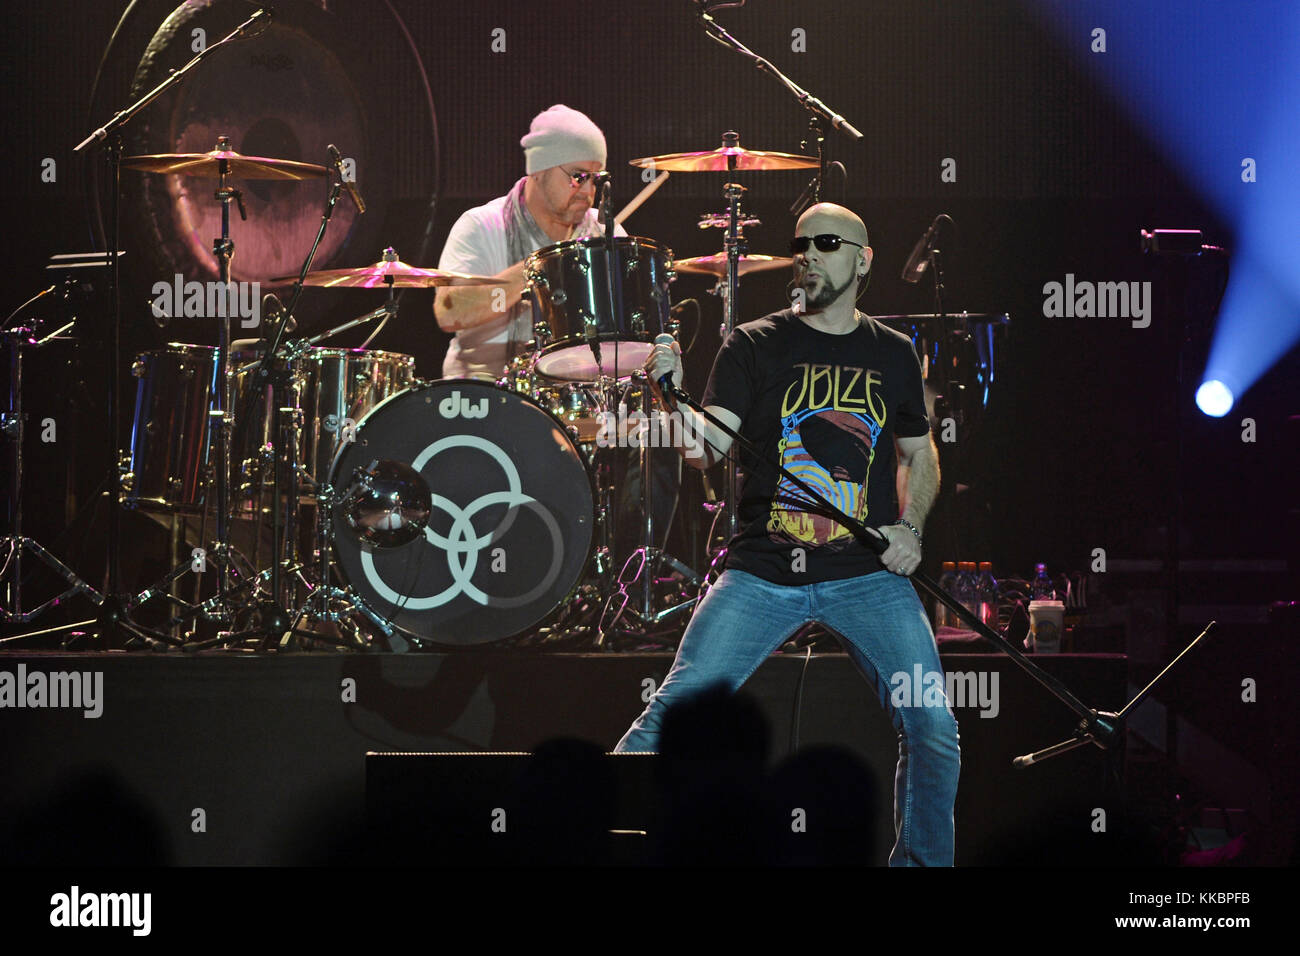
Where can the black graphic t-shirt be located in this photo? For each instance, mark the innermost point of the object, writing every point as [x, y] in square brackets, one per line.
[828, 408]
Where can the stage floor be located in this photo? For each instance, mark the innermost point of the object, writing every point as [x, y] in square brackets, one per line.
[269, 750]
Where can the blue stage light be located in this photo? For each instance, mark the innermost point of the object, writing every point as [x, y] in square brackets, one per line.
[1214, 398]
[1216, 85]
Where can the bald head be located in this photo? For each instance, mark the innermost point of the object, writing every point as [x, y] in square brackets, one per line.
[831, 278]
[827, 217]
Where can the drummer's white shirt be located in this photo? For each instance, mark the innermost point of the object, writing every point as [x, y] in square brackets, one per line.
[477, 245]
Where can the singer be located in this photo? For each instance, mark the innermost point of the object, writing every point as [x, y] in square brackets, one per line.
[835, 397]
[552, 203]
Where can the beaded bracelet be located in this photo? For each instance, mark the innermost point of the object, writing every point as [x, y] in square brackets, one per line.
[910, 527]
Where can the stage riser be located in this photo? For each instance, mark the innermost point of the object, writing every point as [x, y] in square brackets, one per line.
[272, 754]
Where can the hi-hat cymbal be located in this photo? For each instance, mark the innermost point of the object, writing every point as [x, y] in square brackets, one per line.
[716, 264]
[207, 165]
[724, 159]
[386, 273]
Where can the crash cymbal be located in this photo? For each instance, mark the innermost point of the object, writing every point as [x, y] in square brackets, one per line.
[386, 273]
[724, 158]
[238, 166]
[716, 264]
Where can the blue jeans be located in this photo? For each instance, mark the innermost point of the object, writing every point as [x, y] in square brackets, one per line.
[883, 626]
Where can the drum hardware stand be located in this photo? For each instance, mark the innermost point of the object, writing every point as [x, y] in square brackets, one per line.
[612, 276]
[317, 606]
[275, 370]
[649, 557]
[220, 425]
[1103, 729]
[821, 111]
[734, 244]
[113, 617]
[15, 544]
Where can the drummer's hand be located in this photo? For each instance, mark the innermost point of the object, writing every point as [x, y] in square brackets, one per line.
[664, 359]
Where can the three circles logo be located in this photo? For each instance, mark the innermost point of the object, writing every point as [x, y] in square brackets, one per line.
[463, 543]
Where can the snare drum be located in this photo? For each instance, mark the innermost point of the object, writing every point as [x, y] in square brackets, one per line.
[576, 404]
[571, 305]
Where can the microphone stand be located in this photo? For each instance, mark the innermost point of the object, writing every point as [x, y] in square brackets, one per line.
[806, 99]
[1103, 729]
[113, 615]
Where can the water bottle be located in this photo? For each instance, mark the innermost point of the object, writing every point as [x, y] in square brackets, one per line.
[1041, 588]
[947, 582]
[966, 576]
[987, 592]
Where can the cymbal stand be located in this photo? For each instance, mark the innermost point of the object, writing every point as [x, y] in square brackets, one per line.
[113, 616]
[734, 244]
[220, 417]
[274, 618]
[220, 426]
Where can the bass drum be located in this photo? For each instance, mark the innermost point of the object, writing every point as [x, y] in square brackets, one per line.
[513, 512]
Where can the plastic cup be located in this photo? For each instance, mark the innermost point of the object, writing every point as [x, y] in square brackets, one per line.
[1046, 624]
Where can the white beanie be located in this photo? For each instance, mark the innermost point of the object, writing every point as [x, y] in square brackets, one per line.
[562, 135]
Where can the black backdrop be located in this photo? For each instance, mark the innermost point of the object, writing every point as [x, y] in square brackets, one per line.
[1077, 449]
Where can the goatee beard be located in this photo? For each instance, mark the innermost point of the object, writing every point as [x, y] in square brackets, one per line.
[827, 295]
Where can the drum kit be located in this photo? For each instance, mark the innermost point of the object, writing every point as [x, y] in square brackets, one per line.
[444, 513]
[430, 514]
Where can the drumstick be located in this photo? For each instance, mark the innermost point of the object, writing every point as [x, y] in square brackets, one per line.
[641, 197]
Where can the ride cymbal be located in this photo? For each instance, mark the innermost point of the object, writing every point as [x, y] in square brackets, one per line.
[388, 273]
[208, 165]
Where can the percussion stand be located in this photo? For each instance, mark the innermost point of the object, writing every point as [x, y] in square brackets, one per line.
[812, 104]
[15, 544]
[654, 555]
[318, 605]
[115, 607]
[734, 225]
[220, 425]
[274, 620]
[651, 555]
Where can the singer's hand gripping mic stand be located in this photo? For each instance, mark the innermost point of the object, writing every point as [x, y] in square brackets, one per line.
[1101, 728]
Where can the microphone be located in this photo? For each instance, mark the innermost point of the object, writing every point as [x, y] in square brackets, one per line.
[604, 192]
[917, 261]
[337, 160]
[272, 310]
[666, 379]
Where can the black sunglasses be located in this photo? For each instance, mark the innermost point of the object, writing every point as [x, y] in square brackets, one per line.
[582, 177]
[825, 243]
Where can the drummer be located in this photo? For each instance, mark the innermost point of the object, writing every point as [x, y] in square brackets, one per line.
[563, 151]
